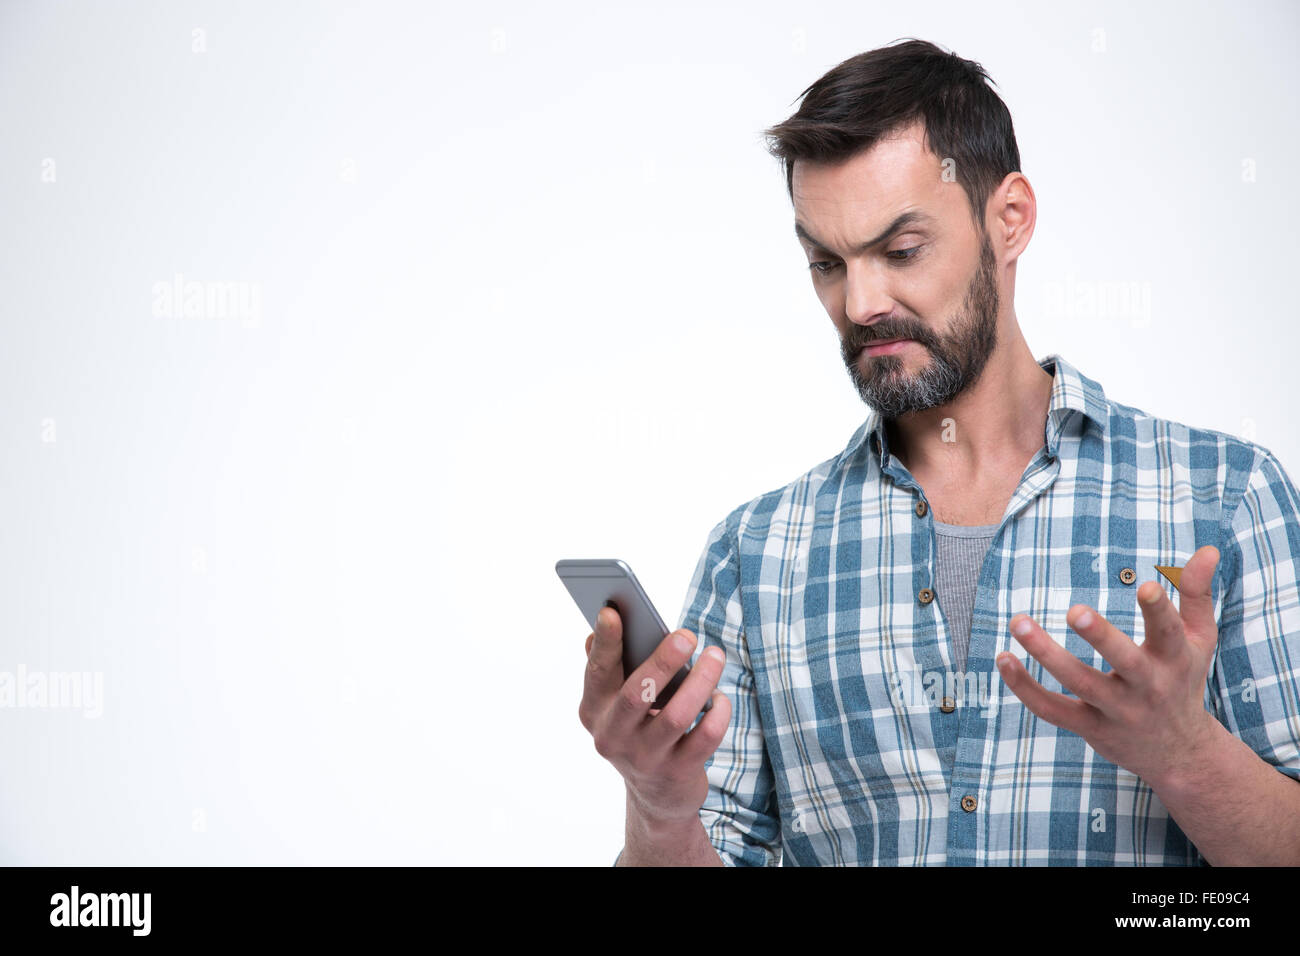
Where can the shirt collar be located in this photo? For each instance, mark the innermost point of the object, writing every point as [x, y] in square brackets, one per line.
[1072, 391]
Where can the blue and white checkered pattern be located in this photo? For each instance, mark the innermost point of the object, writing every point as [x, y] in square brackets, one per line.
[838, 751]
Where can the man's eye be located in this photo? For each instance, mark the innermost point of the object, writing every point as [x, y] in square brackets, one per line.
[822, 267]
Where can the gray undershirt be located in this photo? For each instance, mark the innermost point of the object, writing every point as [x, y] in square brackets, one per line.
[960, 555]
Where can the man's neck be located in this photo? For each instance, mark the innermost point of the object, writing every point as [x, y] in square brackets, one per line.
[993, 427]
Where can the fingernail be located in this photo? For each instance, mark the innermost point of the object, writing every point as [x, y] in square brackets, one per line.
[683, 642]
[717, 653]
[1021, 627]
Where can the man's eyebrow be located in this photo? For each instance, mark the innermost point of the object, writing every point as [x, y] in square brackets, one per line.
[909, 218]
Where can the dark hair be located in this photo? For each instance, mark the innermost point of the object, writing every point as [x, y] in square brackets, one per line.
[875, 93]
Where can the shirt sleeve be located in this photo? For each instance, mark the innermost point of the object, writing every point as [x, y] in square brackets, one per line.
[1256, 679]
[739, 814]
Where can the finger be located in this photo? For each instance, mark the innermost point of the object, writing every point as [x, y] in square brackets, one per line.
[631, 703]
[699, 745]
[1087, 683]
[590, 638]
[604, 659]
[1166, 636]
[1116, 648]
[680, 712]
[1196, 597]
[1057, 709]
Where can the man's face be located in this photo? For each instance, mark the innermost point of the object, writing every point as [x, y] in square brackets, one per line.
[931, 280]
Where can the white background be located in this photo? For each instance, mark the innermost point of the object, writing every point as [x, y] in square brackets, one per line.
[529, 290]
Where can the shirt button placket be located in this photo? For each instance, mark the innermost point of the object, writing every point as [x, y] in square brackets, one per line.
[925, 595]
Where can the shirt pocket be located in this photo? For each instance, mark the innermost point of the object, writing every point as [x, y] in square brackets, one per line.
[1109, 587]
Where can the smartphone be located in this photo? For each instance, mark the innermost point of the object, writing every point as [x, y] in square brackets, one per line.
[595, 583]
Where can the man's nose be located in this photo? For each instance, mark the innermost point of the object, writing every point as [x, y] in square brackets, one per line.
[866, 295]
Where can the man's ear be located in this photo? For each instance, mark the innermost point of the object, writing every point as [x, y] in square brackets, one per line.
[1012, 212]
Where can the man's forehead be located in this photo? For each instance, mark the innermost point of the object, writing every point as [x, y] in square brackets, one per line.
[869, 176]
[851, 216]
[876, 186]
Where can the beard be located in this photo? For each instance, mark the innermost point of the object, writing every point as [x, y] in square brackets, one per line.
[956, 359]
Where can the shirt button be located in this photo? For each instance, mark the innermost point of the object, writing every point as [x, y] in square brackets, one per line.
[948, 705]
[925, 595]
[1128, 576]
[968, 803]
[920, 509]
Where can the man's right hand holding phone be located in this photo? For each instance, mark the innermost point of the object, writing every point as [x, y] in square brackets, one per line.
[661, 763]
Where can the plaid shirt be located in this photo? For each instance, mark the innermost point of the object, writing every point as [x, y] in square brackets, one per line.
[851, 739]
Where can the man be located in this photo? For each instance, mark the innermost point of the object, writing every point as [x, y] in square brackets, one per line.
[876, 701]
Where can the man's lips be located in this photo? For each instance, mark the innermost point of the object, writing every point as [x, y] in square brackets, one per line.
[879, 342]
